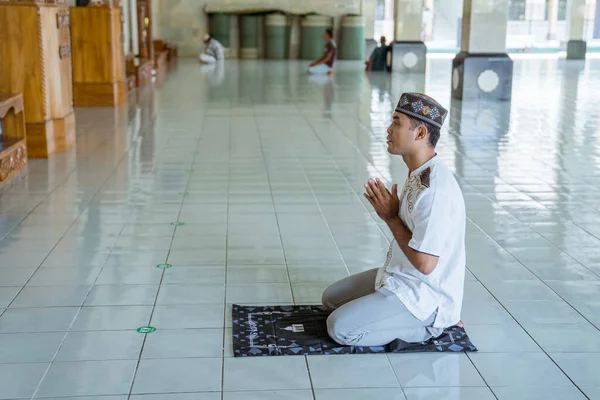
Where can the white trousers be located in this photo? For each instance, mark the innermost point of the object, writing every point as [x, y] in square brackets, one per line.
[319, 69]
[207, 59]
[364, 317]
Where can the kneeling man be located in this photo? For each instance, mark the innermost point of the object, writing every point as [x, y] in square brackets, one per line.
[213, 52]
[419, 290]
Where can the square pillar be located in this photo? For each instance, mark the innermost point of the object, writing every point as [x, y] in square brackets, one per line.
[368, 8]
[35, 60]
[408, 51]
[483, 70]
[576, 46]
[552, 19]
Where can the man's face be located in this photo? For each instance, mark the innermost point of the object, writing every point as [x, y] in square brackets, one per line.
[401, 139]
[326, 37]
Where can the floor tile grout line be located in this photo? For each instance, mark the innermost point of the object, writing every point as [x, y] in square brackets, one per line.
[139, 360]
[387, 356]
[66, 177]
[484, 169]
[501, 303]
[91, 286]
[266, 166]
[531, 337]
[481, 375]
[477, 227]
[103, 143]
[474, 274]
[539, 279]
[229, 149]
[311, 126]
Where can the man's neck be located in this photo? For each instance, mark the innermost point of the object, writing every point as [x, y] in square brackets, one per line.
[414, 161]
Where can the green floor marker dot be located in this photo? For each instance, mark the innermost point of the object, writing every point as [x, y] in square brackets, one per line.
[164, 266]
[146, 329]
[177, 223]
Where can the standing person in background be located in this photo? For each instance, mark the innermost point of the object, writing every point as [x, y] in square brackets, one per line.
[213, 51]
[378, 59]
[324, 65]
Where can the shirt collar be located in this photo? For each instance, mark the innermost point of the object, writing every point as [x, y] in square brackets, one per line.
[432, 161]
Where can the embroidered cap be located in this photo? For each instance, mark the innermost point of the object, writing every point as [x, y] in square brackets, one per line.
[422, 107]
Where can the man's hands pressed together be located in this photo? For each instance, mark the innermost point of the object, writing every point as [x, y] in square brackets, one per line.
[387, 206]
[385, 203]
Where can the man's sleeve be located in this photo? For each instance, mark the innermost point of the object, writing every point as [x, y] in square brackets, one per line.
[431, 217]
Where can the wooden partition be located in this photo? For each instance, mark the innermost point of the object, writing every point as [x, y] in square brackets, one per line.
[35, 59]
[139, 64]
[139, 70]
[98, 57]
[13, 151]
[161, 45]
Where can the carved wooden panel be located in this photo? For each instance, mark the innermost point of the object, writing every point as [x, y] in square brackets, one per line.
[62, 21]
[64, 50]
[13, 161]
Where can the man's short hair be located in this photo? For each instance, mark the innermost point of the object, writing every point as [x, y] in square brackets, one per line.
[329, 32]
[433, 132]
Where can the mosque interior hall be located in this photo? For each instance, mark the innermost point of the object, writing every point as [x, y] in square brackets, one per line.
[186, 184]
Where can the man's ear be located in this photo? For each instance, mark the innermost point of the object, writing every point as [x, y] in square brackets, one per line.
[421, 132]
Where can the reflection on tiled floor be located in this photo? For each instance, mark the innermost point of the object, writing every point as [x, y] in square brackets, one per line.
[244, 185]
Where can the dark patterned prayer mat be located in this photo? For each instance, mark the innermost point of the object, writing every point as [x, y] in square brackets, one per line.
[302, 330]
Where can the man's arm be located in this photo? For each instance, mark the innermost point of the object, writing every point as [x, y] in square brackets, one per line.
[323, 60]
[387, 206]
[424, 263]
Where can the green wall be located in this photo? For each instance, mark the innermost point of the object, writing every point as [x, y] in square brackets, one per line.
[219, 25]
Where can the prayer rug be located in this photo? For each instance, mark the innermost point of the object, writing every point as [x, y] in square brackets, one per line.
[302, 330]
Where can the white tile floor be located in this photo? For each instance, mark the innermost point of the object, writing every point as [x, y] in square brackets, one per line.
[262, 167]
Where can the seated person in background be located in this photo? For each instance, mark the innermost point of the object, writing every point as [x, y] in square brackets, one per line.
[419, 290]
[213, 52]
[324, 65]
[378, 59]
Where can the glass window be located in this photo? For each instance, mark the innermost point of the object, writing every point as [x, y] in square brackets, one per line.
[562, 9]
[516, 10]
[380, 10]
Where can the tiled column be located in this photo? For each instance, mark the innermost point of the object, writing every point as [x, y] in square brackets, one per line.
[352, 38]
[483, 69]
[275, 28]
[408, 50]
[219, 27]
[597, 21]
[312, 43]
[368, 12]
[552, 18]
[576, 47]
[249, 36]
[294, 37]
